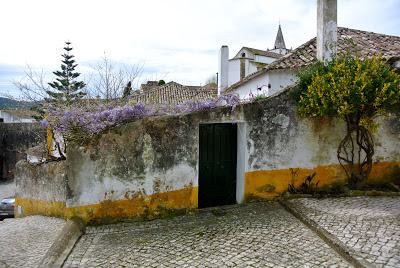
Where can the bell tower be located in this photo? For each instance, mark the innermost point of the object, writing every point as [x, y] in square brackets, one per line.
[280, 46]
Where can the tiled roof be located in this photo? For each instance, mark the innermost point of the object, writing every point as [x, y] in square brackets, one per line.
[266, 53]
[366, 44]
[174, 93]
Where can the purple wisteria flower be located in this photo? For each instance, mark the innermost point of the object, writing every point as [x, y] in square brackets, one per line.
[44, 123]
[102, 117]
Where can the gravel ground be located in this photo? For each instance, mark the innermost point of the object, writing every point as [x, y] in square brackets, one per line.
[24, 241]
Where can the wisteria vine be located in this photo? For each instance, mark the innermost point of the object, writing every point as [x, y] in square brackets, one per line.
[80, 122]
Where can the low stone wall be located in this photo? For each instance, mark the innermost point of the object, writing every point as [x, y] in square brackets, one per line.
[15, 139]
[150, 167]
[41, 189]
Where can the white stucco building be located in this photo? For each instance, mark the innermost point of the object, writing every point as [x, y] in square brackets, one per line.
[255, 72]
[247, 62]
[15, 116]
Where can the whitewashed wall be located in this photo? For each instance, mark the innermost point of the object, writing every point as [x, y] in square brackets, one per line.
[249, 89]
[9, 118]
[251, 67]
[234, 71]
[280, 79]
[264, 59]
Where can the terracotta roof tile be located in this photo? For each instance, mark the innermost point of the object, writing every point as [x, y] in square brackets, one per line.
[174, 93]
[266, 53]
[365, 43]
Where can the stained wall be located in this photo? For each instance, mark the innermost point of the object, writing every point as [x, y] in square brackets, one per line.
[149, 168]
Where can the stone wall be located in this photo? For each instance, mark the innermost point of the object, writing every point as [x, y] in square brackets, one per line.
[15, 138]
[284, 148]
[42, 189]
[150, 167]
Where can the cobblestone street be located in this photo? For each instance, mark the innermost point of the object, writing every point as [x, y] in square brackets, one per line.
[23, 242]
[370, 226]
[255, 235]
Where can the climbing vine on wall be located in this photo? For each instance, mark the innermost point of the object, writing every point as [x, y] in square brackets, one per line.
[80, 123]
[355, 90]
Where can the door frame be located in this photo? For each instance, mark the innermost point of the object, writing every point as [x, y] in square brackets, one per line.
[241, 156]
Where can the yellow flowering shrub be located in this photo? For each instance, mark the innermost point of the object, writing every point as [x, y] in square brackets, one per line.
[349, 86]
[355, 90]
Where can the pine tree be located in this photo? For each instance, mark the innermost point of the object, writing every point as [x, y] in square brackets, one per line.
[67, 88]
[127, 90]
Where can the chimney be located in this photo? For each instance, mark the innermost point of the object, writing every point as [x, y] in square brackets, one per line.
[223, 69]
[326, 30]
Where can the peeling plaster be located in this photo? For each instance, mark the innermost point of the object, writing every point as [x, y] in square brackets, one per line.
[153, 163]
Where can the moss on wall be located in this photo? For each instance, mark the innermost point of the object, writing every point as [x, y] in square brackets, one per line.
[150, 167]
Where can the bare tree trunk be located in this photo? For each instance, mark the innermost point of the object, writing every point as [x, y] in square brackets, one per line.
[355, 152]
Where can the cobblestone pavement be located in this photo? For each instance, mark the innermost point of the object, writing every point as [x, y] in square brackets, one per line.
[23, 242]
[254, 235]
[370, 226]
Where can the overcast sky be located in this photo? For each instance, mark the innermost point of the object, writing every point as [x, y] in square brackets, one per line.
[174, 40]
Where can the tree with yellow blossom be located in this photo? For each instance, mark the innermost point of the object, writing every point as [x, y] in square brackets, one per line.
[356, 90]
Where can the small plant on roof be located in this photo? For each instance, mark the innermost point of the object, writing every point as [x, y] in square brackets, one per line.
[259, 97]
[355, 90]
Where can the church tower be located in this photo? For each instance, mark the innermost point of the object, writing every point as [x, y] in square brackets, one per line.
[279, 46]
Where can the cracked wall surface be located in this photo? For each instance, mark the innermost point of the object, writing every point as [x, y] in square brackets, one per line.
[149, 167]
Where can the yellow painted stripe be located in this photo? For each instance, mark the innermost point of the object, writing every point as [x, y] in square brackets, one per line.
[272, 183]
[143, 206]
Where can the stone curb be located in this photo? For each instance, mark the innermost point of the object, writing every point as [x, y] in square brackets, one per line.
[63, 244]
[332, 241]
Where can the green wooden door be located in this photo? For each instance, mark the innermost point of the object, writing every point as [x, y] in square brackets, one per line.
[217, 165]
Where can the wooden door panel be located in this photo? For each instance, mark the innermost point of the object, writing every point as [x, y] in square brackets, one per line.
[217, 164]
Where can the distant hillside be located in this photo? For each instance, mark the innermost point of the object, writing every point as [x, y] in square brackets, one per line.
[6, 103]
